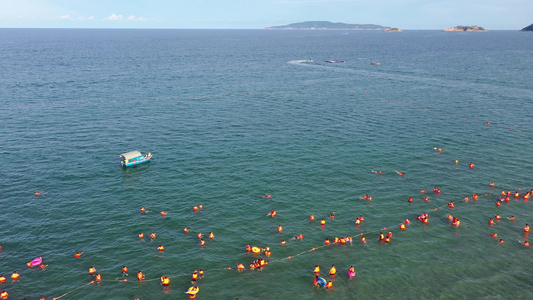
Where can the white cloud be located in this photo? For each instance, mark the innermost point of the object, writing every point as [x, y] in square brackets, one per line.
[114, 17]
[80, 18]
[134, 18]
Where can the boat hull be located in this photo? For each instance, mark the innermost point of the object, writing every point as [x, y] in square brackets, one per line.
[136, 162]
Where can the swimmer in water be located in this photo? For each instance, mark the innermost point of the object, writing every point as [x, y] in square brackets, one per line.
[400, 173]
[376, 172]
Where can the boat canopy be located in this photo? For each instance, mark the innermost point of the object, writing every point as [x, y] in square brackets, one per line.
[130, 155]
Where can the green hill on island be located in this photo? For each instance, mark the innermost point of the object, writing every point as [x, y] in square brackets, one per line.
[466, 28]
[326, 25]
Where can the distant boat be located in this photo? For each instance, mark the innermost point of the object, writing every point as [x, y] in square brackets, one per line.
[335, 61]
[134, 158]
[375, 63]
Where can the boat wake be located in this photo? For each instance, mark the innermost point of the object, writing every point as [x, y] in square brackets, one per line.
[300, 62]
[399, 76]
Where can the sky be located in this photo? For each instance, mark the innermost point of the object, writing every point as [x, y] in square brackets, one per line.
[257, 14]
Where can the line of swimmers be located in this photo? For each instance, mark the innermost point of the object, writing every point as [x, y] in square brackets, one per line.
[258, 264]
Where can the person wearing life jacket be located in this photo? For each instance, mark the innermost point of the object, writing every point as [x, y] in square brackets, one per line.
[141, 235]
[491, 222]
[363, 239]
[526, 228]
[283, 242]
[381, 236]
[526, 243]
[194, 276]
[240, 267]
[315, 282]
[92, 270]
[322, 222]
[202, 243]
[511, 218]
[200, 235]
[329, 285]
[357, 222]
[165, 281]
[326, 242]
[200, 273]
[248, 248]
[2, 279]
[15, 276]
[402, 226]
[211, 235]
[98, 277]
[4, 295]
[161, 248]
[153, 235]
[317, 270]
[332, 216]
[124, 271]
[280, 228]
[311, 218]
[140, 276]
[351, 272]
[78, 254]
[332, 270]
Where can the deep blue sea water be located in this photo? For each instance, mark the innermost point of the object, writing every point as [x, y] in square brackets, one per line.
[233, 115]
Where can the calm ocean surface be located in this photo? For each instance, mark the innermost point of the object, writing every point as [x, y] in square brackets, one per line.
[233, 115]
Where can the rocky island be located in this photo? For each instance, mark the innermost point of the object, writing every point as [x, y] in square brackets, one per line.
[528, 28]
[325, 25]
[393, 30]
[466, 28]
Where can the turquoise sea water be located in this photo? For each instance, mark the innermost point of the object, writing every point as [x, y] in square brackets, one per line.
[233, 115]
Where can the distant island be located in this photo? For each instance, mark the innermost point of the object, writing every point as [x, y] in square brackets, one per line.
[325, 25]
[528, 28]
[465, 28]
[393, 30]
